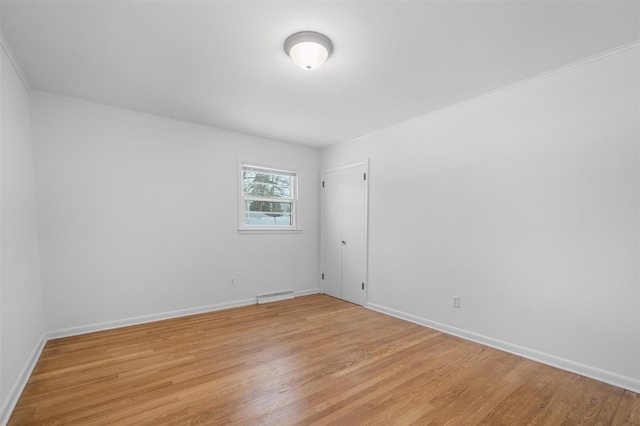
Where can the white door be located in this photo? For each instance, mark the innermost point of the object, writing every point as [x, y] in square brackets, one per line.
[344, 238]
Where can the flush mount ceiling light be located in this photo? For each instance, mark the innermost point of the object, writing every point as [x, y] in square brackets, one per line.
[308, 49]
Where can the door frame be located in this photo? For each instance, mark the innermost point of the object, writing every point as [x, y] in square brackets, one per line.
[364, 163]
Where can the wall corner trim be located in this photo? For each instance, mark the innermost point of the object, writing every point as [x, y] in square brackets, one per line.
[608, 377]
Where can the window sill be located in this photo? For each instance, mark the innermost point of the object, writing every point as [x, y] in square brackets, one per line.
[269, 231]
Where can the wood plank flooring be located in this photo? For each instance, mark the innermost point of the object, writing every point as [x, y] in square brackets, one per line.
[309, 360]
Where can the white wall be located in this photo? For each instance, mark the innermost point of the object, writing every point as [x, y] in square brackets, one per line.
[139, 216]
[525, 203]
[21, 317]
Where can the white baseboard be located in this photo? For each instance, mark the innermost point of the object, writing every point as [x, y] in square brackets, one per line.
[110, 325]
[541, 357]
[307, 292]
[14, 394]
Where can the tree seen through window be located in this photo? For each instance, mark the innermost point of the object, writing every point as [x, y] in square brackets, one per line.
[269, 197]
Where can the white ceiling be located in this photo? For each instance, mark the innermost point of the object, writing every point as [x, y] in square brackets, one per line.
[223, 64]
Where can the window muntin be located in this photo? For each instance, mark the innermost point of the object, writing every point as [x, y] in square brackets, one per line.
[269, 198]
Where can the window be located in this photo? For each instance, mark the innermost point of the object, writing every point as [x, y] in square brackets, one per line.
[269, 198]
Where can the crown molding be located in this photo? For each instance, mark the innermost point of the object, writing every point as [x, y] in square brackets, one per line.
[545, 74]
[12, 58]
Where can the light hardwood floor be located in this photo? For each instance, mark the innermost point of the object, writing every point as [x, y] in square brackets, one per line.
[313, 359]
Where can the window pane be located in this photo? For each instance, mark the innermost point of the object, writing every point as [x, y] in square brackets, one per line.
[267, 219]
[267, 206]
[269, 197]
[266, 185]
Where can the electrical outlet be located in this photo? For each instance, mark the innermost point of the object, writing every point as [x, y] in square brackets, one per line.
[456, 302]
[232, 282]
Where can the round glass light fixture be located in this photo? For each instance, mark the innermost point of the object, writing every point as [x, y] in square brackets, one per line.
[308, 49]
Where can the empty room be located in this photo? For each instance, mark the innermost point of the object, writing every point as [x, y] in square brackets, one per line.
[319, 212]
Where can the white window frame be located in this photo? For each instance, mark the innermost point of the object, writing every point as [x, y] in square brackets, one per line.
[242, 226]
